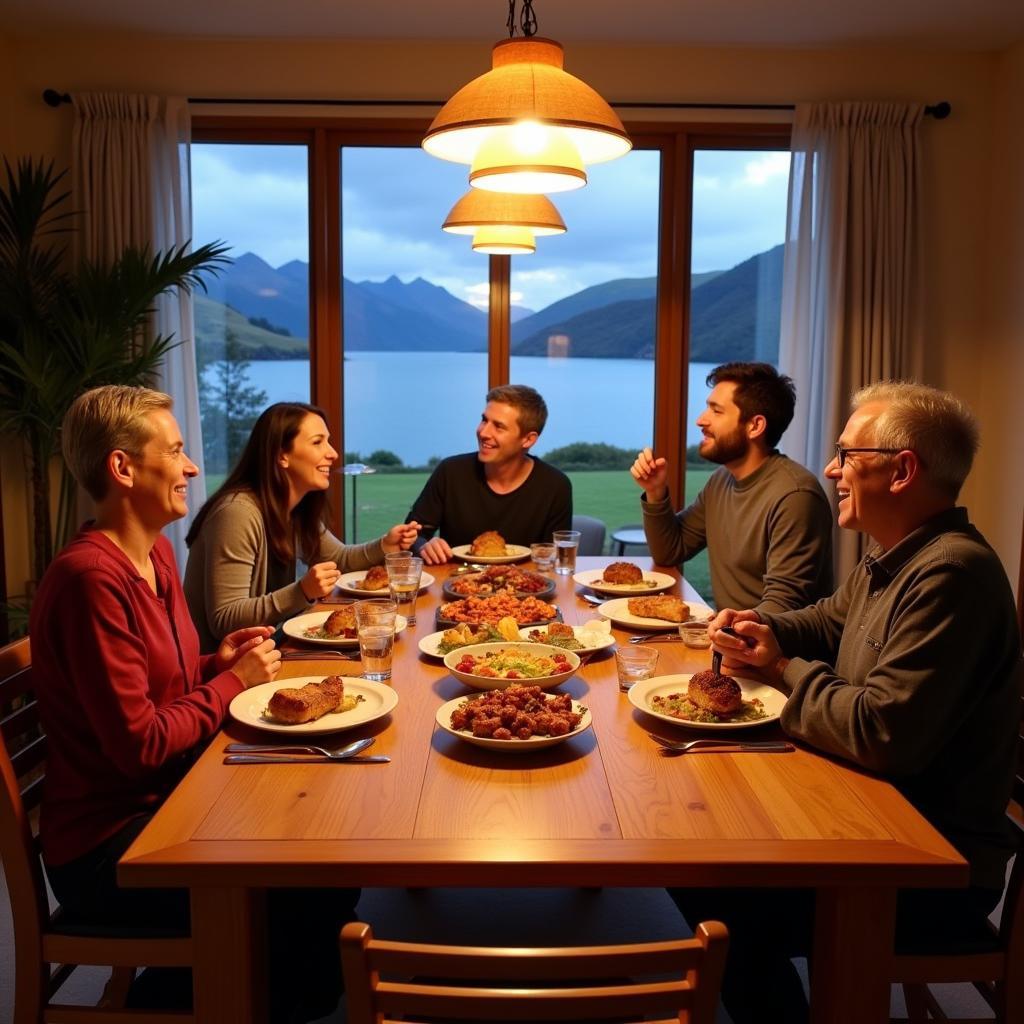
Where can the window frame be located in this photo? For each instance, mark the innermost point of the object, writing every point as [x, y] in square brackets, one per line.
[324, 137]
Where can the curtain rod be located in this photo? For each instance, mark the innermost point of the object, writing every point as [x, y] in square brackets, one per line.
[940, 111]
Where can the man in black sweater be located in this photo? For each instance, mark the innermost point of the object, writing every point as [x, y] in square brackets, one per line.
[498, 487]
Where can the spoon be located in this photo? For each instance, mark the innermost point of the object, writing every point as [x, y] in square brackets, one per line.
[348, 750]
[593, 598]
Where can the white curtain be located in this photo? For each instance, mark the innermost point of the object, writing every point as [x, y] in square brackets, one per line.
[131, 186]
[851, 288]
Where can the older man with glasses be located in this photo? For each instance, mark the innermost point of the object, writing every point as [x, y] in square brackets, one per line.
[912, 669]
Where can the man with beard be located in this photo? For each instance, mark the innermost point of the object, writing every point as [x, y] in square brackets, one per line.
[764, 519]
[500, 486]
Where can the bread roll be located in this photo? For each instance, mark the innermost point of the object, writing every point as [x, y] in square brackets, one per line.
[489, 544]
[375, 579]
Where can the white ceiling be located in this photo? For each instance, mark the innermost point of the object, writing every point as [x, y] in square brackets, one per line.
[956, 24]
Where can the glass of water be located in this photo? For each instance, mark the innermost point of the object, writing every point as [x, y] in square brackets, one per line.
[634, 663]
[567, 543]
[543, 556]
[375, 624]
[404, 581]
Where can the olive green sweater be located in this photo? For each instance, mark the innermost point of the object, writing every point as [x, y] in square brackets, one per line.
[912, 669]
[226, 577]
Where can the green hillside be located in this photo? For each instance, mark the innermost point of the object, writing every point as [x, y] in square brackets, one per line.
[213, 319]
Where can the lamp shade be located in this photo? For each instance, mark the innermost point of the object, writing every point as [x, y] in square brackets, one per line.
[479, 209]
[504, 241]
[526, 83]
[527, 157]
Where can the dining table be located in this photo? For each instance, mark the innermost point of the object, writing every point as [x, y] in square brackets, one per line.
[606, 807]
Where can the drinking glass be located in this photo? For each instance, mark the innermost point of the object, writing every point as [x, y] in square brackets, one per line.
[566, 544]
[634, 663]
[543, 556]
[404, 581]
[375, 623]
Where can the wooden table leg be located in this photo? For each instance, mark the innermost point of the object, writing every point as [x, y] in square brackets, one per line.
[228, 937]
[850, 970]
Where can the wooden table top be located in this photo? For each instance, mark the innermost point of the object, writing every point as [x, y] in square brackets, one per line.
[603, 808]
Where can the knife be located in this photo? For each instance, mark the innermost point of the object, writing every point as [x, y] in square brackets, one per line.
[280, 759]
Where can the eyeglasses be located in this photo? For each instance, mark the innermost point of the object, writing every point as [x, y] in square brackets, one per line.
[842, 452]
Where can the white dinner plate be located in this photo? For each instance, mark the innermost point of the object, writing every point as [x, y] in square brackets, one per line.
[618, 611]
[653, 583]
[516, 553]
[592, 640]
[444, 718]
[348, 583]
[640, 695]
[378, 700]
[296, 628]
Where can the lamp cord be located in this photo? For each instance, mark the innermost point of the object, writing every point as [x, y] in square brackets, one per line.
[527, 19]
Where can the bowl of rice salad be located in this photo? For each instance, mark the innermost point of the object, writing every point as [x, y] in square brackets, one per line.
[497, 665]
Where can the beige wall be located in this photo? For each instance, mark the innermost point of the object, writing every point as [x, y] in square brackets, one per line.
[998, 492]
[961, 154]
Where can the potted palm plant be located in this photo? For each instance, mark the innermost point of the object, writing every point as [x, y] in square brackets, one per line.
[66, 327]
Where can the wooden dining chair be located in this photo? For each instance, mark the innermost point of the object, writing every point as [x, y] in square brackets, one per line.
[992, 960]
[49, 947]
[677, 981]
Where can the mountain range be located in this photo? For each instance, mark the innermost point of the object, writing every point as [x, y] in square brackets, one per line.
[734, 314]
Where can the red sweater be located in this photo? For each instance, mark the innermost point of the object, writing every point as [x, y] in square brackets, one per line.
[124, 695]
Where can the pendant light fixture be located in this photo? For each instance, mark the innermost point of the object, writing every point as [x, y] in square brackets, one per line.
[527, 124]
[502, 224]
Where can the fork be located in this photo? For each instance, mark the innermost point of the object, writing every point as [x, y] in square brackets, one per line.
[725, 746]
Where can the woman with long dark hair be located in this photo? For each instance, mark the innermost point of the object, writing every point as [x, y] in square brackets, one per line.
[269, 513]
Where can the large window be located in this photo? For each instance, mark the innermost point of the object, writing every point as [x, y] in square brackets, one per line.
[252, 324]
[345, 289]
[739, 226]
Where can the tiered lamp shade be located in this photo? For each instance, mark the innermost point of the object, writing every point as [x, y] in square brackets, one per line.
[527, 83]
[503, 240]
[479, 209]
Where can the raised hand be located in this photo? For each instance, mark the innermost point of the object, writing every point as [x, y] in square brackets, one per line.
[651, 474]
[400, 537]
[238, 642]
[259, 664]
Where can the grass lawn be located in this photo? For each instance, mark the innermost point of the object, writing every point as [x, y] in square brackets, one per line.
[608, 495]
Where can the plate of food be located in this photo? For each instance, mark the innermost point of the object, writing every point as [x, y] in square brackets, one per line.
[595, 635]
[498, 665]
[527, 611]
[661, 611]
[313, 705]
[522, 582]
[704, 700]
[444, 641]
[331, 628]
[490, 549]
[367, 582]
[624, 578]
[546, 719]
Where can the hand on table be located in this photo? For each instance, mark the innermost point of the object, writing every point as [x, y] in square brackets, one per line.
[436, 552]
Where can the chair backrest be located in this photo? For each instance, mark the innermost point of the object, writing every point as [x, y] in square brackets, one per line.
[592, 533]
[677, 981]
[22, 762]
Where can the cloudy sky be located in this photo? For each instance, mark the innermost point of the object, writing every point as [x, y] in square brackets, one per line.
[394, 200]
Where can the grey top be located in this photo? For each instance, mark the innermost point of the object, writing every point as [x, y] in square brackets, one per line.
[227, 579]
[926, 682]
[769, 536]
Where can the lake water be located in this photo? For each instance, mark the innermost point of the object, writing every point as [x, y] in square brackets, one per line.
[420, 404]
